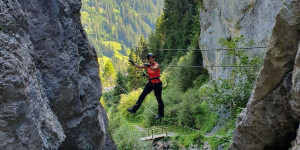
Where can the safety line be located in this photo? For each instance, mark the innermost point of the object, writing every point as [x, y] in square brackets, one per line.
[215, 66]
[213, 49]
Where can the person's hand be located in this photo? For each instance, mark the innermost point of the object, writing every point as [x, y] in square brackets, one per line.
[132, 62]
[144, 75]
[147, 64]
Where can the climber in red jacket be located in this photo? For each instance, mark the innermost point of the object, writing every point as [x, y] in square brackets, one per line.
[154, 83]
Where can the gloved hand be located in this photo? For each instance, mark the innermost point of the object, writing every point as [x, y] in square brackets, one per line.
[147, 64]
[132, 62]
[144, 75]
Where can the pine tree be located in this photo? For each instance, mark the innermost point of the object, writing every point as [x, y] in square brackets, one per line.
[135, 76]
[109, 74]
[142, 48]
[121, 87]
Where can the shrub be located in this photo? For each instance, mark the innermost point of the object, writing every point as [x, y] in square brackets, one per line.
[129, 139]
[128, 101]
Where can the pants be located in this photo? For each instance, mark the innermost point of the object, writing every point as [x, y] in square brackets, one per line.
[157, 91]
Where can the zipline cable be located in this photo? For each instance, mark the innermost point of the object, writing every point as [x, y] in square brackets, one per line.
[213, 49]
[213, 66]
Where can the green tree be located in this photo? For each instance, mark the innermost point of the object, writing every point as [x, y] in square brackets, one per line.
[118, 20]
[121, 87]
[177, 28]
[135, 76]
[109, 74]
[142, 48]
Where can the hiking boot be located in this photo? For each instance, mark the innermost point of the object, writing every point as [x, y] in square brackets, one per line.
[158, 117]
[131, 110]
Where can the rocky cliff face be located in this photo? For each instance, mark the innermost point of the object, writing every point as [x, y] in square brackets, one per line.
[272, 115]
[254, 19]
[49, 83]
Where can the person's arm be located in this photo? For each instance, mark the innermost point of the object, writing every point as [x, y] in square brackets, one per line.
[142, 67]
[135, 65]
[154, 67]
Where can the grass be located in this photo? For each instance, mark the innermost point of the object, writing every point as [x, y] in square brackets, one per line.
[208, 120]
[114, 44]
[103, 60]
[117, 11]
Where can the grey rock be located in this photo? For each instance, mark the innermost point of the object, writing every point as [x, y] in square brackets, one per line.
[295, 103]
[254, 19]
[221, 147]
[49, 82]
[206, 146]
[271, 117]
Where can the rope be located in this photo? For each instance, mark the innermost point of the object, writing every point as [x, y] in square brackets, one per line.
[214, 49]
[215, 66]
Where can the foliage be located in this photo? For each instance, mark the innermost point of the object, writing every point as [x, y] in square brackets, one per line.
[135, 76]
[142, 48]
[187, 75]
[223, 136]
[121, 87]
[233, 93]
[129, 139]
[124, 136]
[177, 28]
[120, 21]
[102, 102]
[115, 45]
[128, 101]
[109, 74]
[190, 99]
[187, 140]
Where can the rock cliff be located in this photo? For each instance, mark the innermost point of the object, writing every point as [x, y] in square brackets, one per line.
[272, 116]
[254, 19]
[49, 83]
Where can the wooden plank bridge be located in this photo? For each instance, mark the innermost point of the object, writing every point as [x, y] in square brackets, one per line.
[156, 133]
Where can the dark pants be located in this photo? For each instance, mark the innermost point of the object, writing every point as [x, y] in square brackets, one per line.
[157, 91]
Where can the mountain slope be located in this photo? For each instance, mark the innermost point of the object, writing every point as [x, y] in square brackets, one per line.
[113, 22]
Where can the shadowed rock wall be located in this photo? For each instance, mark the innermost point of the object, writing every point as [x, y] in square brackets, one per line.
[49, 82]
[272, 115]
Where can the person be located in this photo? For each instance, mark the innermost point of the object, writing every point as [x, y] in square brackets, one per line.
[154, 83]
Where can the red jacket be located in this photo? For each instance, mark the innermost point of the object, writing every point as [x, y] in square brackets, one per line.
[154, 74]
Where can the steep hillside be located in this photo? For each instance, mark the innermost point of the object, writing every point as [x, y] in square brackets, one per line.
[110, 23]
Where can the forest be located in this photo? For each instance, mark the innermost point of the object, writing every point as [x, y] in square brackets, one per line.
[150, 74]
[114, 26]
[197, 108]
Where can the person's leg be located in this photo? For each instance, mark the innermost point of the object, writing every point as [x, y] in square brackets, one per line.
[145, 92]
[157, 91]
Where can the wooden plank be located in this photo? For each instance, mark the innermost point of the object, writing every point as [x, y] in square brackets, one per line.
[153, 137]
